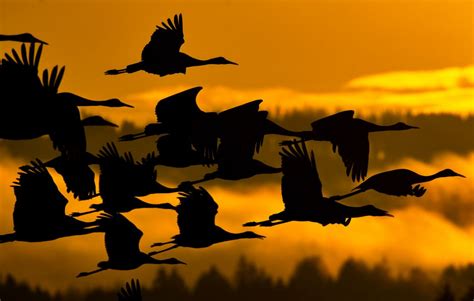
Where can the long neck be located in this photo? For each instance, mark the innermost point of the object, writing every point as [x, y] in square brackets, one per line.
[383, 128]
[273, 128]
[431, 177]
[84, 102]
[191, 61]
[15, 37]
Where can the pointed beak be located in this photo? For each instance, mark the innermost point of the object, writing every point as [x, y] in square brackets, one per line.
[181, 262]
[232, 63]
[414, 127]
[460, 175]
[388, 214]
[127, 105]
[39, 41]
[261, 236]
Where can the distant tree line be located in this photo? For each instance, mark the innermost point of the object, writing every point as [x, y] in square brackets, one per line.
[309, 281]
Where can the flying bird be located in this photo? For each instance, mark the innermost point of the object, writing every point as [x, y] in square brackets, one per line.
[39, 213]
[23, 37]
[350, 137]
[122, 180]
[162, 54]
[302, 194]
[196, 221]
[398, 182]
[122, 242]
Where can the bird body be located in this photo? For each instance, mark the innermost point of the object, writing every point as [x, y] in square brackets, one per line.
[350, 137]
[39, 213]
[196, 221]
[399, 182]
[162, 56]
[302, 194]
[122, 241]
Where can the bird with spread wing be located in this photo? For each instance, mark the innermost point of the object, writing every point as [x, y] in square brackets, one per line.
[302, 194]
[162, 54]
[122, 243]
[196, 221]
[39, 213]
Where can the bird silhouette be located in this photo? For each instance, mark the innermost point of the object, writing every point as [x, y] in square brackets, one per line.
[122, 180]
[122, 243]
[302, 194]
[398, 182]
[161, 55]
[33, 107]
[192, 133]
[130, 292]
[350, 137]
[39, 213]
[196, 222]
[23, 37]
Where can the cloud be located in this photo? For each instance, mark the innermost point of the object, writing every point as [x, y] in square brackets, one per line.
[415, 81]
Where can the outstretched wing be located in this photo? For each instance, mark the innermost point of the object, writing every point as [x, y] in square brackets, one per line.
[352, 145]
[196, 212]
[300, 185]
[122, 237]
[241, 130]
[180, 108]
[37, 197]
[77, 174]
[166, 40]
[20, 84]
[130, 292]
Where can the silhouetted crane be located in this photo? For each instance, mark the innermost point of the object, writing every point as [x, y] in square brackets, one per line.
[122, 241]
[39, 213]
[23, 37]
[131, 291]
[122, 180]
[302, 194]
[161, 55]
[350, 136]
[192, 134]
[196, 221]
[33, 108]
[398, 182]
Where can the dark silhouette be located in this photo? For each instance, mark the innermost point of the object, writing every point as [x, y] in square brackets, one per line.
[122, 241]
[39, 213]
[191, 133]
[161, 55]
[398, 182]
[76, 173]
[122, 179]
[302, 194]
[131, 291]
[350, 136]
[23, 37]
[196, 220]
[35, 108]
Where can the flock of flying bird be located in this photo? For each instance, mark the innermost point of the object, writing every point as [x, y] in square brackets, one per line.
[187, 136]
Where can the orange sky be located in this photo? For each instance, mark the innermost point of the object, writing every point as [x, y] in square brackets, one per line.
[371, 56]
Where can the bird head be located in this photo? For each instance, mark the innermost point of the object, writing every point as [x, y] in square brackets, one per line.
[403, 126]
[449, 173]
[222, 61]
[115, 103]
[250, 234]
[29, 38]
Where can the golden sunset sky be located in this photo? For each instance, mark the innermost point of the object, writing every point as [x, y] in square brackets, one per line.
[371, 56]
